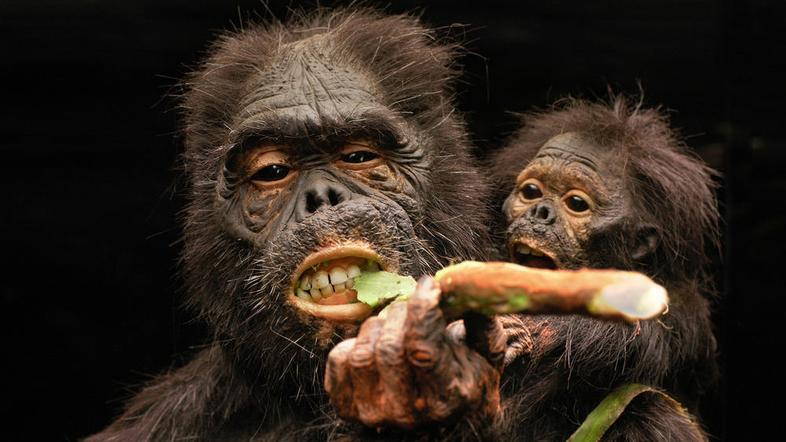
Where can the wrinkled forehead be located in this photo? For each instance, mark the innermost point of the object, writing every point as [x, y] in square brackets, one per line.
[577, 148]
[573, 146]
[310, 81]
[573, 160]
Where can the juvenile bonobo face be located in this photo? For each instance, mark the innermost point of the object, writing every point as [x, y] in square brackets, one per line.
[570, 193]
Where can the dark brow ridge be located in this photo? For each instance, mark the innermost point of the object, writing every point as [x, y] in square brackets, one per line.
[292, 131]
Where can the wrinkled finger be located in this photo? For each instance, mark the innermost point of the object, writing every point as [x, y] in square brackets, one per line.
[394, 372]
[364, 374]
[338, 383]
[486, 336]
[424, 325]
[430, 355]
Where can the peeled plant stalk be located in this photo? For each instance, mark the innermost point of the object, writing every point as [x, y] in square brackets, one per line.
[500, 287]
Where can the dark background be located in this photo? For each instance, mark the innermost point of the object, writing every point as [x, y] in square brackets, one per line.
[88, 155]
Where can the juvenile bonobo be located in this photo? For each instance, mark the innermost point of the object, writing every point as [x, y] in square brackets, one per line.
[609, 186]
[315, 150]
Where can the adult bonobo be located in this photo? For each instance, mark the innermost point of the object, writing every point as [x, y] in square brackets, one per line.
[315, 150]
[609, 186]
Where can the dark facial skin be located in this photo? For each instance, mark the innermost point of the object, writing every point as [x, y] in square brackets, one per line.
[351, 182]
[571, 190]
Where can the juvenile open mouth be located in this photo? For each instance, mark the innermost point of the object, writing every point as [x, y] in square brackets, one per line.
[526, 255]
[322, 284]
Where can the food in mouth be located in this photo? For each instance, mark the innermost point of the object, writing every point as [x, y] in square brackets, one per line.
[332, 282]
[492, 288]
[330, 289]
[323, 286]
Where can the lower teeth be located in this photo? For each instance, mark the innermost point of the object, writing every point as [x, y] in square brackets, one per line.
[302, 294]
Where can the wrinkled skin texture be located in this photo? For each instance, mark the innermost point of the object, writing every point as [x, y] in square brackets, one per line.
[408, 369]
[334, 130]
[608, 186]
[566, 166]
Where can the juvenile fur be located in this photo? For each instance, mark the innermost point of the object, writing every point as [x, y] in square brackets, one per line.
[568, 364]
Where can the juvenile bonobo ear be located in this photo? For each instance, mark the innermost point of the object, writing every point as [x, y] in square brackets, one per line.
[646, 242]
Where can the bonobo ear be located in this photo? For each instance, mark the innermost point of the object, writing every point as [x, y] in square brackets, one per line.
[646, 242]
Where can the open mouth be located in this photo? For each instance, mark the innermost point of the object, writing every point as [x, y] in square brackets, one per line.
[322, 285]
[526, 255]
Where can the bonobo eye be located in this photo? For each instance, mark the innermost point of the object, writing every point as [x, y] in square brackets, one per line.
[531, 190]
[268, 166]
[358, 155]
[577, 202]
[274, 172]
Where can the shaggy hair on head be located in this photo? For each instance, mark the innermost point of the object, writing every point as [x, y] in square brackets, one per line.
[262, 374]
[671, 188]
[412, 71]
[576, 360]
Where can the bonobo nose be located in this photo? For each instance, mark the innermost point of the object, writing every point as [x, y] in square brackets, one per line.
[542, 213]
[319, 189]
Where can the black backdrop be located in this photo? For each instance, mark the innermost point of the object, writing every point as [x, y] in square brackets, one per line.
[90, 292]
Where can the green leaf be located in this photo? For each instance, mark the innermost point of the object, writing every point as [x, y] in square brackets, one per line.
[374, 286]
[613, 405]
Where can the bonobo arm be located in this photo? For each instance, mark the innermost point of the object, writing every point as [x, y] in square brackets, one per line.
[558, 368]
[178, 405]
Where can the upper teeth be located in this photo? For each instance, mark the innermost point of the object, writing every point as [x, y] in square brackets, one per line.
[320, 279]
[305, 282]
[526, 250]
[338, 276]
[314, 286]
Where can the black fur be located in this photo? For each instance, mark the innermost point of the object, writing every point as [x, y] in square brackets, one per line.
[569, 364]
[261, 378]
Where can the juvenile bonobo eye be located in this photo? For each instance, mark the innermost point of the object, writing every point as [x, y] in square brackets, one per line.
[531, 190]
[358, 155]
[268, 166]
[577, 202]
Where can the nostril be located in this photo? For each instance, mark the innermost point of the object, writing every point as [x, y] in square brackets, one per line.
[541, 213]
[321, 191]
[334, 197]
[312, 202]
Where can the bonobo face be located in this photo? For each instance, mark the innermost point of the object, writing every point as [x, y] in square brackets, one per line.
[322, 211]
[569, 194]
[325, 183]
[314, 156]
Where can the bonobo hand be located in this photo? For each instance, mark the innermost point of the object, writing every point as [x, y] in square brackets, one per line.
[409, 369]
